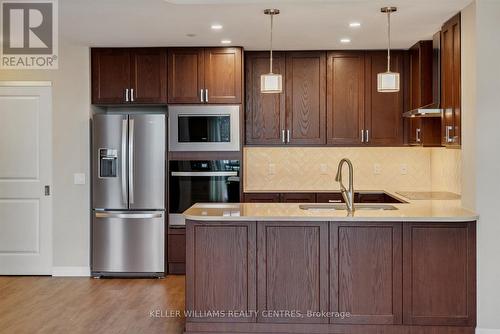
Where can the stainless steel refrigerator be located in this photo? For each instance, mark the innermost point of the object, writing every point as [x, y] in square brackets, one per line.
[128, 194]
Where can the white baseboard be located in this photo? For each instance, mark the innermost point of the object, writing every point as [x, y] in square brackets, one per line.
[487, 331]
[71, 271]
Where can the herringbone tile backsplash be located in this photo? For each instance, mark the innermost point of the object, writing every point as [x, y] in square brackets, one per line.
[303, 168]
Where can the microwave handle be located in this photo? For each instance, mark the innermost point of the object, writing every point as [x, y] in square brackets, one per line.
[204, 174]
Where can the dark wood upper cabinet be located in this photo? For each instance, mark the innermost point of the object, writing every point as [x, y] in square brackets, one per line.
[305, 98]
[345, 102]
[265, 113]
[439, 274]
[223, 75]
[110, 75]
[366, 272]
[186, 75]
[383, 111]
[149, 75]
[132, 75]
[205, 75]
[451, 82]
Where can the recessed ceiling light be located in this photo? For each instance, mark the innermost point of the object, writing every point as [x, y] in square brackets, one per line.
[345, 40]
[216, 26]
[354, 24]
[226, 41]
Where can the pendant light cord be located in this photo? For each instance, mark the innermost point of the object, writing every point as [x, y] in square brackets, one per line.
[389, 41]
[271, 49]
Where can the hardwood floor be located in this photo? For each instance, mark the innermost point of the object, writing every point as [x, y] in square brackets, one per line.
[86, 305]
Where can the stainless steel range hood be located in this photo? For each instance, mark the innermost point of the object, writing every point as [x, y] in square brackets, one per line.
[433, 109]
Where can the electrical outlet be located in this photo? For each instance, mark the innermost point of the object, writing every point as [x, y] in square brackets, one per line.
[403, 168]
[323, 169]
[377, 169]
[79, 178]
[271, 169]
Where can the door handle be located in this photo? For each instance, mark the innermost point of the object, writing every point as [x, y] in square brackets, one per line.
[362, 136]
[201, 96]
[131, 161]
[128, 215]
[448, 138]
[288, 135]
[132, 95]
[367, 136]
[126, 94]
[124, 161]
[204, 174]
[283, 136]
[206, 95]
[334, 201]
[417, 135]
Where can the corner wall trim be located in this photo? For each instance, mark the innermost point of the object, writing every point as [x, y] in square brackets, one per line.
[71, 271]
[487, 331]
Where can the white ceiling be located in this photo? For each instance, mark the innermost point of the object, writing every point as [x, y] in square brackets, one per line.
[302, 24]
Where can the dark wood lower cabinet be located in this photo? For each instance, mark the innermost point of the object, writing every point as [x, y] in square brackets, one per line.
[384, 277]
[176, 251]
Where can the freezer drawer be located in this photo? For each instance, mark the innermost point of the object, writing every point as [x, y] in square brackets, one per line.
[128, 242]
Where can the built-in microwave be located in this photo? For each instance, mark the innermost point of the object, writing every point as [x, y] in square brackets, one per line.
[204, 128]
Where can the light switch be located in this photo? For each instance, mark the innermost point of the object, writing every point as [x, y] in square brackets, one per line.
[377, 169]
[403, 168]
[79, 178]
[272, 169]
[323, 169]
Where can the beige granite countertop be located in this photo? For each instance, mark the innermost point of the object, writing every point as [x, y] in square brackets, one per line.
[412, 211]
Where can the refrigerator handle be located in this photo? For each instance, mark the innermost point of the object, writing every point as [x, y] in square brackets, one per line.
[131, 161]
[124, 161]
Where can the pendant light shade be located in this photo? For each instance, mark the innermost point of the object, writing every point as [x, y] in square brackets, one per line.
[388, 82]
[271, 82]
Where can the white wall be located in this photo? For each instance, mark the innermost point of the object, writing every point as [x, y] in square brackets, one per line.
[71, 99]
[481, 153]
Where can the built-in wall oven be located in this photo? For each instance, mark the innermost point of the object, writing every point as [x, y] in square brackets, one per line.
[204, 128]
[201, 181]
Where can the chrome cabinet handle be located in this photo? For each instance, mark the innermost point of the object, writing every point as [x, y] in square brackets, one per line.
[128, 215]
[131, 161]
[283, 136]
[287, 135]
[201, 96]
[334, 201]
[448, 138]
[367, 136]
[417, 135]
[126, 95]
[206, 95]
[132, 95]
[124, 161]
[362, 136]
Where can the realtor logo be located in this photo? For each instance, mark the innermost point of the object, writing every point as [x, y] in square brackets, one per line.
[29, 34]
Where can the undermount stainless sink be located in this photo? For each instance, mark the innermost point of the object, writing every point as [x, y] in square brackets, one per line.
[327, 206]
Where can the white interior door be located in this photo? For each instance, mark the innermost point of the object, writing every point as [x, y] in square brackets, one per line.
[25, 170]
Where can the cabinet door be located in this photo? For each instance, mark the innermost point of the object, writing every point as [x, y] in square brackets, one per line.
[292, 267]
[306, 97]
[176, 251]
[110, 75]
[451, 85]
[345, 97]
[262, 197]
[365, 272]
[415, 131]
[185, 75]
[439, 274]
[384, 111]
[265, 113]
[149, 75]
[298, 198]
[223, 77]
[220, 269]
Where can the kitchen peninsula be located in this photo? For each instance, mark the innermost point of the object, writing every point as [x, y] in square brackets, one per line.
[296, 268]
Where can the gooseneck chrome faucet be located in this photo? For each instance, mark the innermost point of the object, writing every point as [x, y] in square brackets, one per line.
[348, 195]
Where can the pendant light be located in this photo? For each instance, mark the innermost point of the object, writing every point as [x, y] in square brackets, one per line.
[271, 82]
[388, 82]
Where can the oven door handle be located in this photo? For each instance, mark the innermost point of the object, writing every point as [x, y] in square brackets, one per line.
[204, 173]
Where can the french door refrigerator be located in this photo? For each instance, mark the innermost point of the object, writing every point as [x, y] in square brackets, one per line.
[128, 194]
